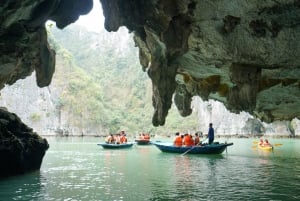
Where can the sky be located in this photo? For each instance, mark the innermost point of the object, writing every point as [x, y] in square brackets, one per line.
[94, 20]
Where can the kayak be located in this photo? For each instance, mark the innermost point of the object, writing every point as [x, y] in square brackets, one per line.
[143, 142]
[116, 146]
[215, 148]
[265, 148]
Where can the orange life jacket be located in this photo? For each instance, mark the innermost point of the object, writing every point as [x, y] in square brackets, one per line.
[178, 141]
[188, 141]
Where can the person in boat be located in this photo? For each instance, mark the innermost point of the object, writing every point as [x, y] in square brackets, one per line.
[147, 136]
[197, 139]
[266, 143]
[188, 140]
[261, 142]
[177, 140]
[123, 139]
[211, 134]
[110, 139]
[117, 139]
[141, 136]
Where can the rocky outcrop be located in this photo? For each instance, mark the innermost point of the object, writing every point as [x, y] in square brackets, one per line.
[23, 49]
[23, 38]
[21, 149]
[242, 53]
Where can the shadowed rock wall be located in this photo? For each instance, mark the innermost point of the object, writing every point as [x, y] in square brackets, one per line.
[242, 53]
[21, 149]
[23, 49]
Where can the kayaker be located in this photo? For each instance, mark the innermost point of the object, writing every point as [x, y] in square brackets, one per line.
[177, 140]
[266, 143]
[211, 134]
[261, 142]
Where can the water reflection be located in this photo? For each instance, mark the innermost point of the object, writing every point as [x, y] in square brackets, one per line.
[80, 170]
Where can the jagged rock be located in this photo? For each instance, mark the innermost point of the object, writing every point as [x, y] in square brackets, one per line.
[23, 49]
[21, 149]
[242, 53]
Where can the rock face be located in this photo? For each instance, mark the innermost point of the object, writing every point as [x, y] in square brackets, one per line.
[21, 149]
[242, 53]
[24, 49]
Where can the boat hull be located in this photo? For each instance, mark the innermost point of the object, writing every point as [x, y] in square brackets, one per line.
[204, 149]
[143, 142]
[265, 148]
[116, 146]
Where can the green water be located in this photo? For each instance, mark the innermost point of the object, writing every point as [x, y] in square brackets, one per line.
[78, 169]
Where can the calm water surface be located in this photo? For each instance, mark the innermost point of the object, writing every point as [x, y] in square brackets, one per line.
[78, 169]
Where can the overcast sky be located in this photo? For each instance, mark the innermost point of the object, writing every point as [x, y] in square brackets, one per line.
[94, 20]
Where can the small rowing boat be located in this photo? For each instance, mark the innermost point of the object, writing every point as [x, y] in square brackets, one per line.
[215, 148]
[143, 141]
[116, 146]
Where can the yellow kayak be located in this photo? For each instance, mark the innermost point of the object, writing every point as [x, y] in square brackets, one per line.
[265, 147]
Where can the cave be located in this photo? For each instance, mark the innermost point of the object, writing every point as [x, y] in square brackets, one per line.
[243, 54]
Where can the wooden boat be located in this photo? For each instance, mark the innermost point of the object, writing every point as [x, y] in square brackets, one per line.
[265, 147]
[116, 146]
[143, 141]
[216, 148]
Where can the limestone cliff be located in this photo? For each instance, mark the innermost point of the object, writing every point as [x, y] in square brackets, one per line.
[242, 53]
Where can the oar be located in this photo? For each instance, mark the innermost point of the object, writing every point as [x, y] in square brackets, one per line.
[191, 148]
[277, 144]
[188, 150]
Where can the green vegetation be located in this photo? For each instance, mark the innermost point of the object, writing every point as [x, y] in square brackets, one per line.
[35, 117]
[102, 86]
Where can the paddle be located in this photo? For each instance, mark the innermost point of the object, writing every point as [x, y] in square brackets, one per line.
[277, 144]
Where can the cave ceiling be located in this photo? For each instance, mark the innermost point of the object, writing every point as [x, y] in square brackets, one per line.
[244, 53]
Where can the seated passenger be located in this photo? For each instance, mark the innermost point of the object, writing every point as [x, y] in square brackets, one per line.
[197, 139]
[147, 136]
[123, 139]
[178, 140]
[261, 142]
[110, 139]
[188, 140]
[117, 139]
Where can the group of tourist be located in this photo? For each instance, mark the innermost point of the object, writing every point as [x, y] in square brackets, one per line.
[190, 140]
[186, 140]
[144, 136]
[264, 142]
[119, 138]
